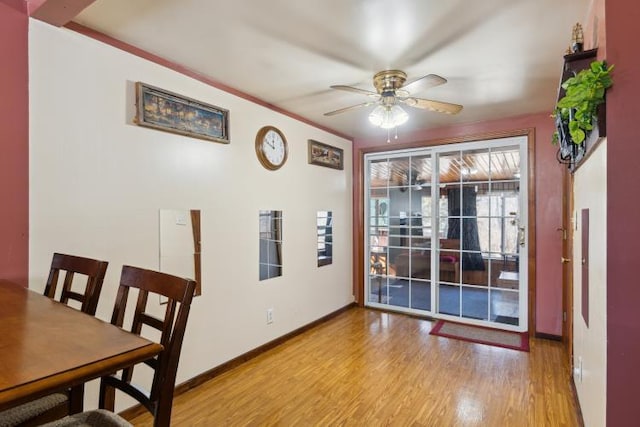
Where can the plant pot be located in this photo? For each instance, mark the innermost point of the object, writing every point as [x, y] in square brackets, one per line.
[569, 152]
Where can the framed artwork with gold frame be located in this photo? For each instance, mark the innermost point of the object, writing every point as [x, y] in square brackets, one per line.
[163, 110]
[325, 155]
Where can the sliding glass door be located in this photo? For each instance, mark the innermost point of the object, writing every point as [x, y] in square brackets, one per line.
[400, 229]
[445, 232]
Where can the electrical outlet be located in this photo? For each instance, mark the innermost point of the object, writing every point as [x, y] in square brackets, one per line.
[269, 316]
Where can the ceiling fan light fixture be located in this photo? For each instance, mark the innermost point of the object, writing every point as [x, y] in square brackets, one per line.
[390, 93]
[388, 117]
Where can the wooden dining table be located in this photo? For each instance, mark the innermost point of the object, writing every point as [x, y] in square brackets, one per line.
[46, 346]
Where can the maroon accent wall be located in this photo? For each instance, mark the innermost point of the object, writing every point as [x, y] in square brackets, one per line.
[595, 35]
[57, 12]
[548, 184]
[33, 5]
[14, 142]
[623, 209]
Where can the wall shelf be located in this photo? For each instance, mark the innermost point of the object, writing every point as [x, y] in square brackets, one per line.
[570, 154]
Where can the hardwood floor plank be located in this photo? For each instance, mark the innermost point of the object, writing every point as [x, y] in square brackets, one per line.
[366, 367]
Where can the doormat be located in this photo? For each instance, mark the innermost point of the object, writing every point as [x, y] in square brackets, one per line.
[482, 335]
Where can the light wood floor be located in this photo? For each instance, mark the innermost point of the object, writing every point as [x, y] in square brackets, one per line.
[368, 368]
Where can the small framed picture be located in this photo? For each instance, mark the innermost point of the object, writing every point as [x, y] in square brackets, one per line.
[325, 155]
[163, 110]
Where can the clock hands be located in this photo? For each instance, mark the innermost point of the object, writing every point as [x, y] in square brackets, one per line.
[270, 140]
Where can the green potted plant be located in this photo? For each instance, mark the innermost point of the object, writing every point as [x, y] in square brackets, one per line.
[583, 93]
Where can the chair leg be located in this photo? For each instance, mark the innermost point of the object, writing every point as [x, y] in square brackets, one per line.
[162, 417]
[107, 398]
[162, 410]
[76, 399]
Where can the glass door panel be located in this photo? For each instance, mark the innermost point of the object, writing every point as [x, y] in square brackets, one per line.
[458, 246]
[483, 199]
[505, 201]
[400, 228]
[450, 218]
[378, 229]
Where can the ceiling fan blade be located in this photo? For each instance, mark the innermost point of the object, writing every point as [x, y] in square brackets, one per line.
[427, 104]
[353, 107]
[424, 82]
[354, 89]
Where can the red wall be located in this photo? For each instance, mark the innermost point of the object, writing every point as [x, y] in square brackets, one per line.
[623, 210]
[548, 204]
[595, 34]
[14, 140]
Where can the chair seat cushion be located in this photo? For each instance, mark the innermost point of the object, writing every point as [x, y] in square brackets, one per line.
[27, 411]
[97, 417]
[448, 258]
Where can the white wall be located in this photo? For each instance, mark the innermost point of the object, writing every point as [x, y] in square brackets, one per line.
[590, 343]
[97, 183]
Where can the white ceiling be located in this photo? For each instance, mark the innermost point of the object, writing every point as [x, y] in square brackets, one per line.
[501, 57]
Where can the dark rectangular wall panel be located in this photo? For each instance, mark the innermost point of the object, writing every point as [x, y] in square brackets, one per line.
[585, 266]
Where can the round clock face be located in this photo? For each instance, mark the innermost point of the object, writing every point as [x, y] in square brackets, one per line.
[271, 147]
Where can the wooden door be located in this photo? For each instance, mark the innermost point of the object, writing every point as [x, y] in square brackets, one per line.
[566, 234]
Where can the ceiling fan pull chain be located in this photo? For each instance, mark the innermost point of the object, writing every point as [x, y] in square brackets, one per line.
[388, 136]
[396, 128]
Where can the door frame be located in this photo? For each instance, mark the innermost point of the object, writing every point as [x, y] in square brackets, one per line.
[567, 232]
[359, 209]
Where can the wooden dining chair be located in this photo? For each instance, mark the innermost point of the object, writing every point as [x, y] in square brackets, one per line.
[157, 399]
[56, 405]
[71, 265]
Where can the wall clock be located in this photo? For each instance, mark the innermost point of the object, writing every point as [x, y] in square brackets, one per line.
[271, 147]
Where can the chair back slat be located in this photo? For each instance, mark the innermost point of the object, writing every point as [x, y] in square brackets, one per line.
[71, 265]
[152, 321]
[117, 318]
[66, 288]
[178, 292]
[72, 295]
[141, 306]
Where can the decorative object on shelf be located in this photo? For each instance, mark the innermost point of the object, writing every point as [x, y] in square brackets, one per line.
[577, 38]
[325, 155]
[160, 109]
[577, 109]
[271, 147]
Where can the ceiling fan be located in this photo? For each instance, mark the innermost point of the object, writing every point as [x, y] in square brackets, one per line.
[391, 91]
[410, 179]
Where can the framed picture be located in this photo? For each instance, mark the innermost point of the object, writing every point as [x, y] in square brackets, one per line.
[160, 109]
[325, 155]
